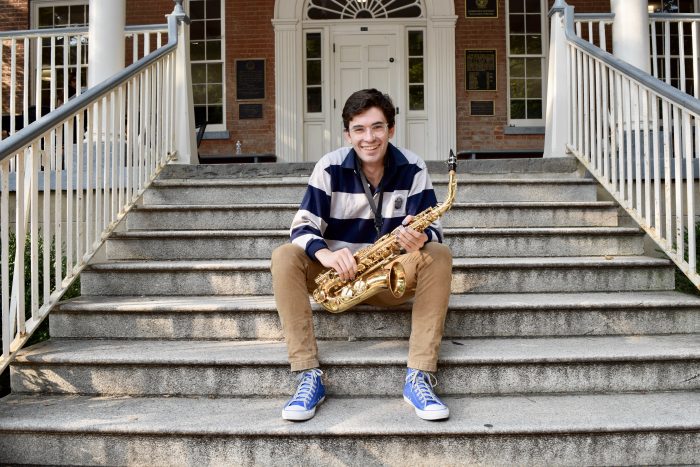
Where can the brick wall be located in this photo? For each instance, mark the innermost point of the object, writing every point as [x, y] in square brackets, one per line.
[14, 15]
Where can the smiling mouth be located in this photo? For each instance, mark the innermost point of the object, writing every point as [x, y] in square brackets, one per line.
[370, 148]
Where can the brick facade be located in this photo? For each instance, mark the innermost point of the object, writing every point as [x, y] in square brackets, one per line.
[249, 34]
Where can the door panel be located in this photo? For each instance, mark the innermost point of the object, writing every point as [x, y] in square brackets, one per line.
[362, 61]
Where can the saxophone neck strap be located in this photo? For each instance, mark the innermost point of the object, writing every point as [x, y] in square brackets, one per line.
[376, 208]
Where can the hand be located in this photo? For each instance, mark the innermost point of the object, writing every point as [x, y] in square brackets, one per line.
[409, 239]
[342, 261]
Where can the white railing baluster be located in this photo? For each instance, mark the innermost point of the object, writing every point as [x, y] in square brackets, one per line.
[70, 153]
[20, 236]
[5, 253]
[654, 52]
[696, 58]
[25, 84]
[90, 185]
[80, 200]
[666, 116]
[656, 155]
[690, 186]
[58, 209]
[636, 117]
[46, 226]
[681, 57]
[35, 163]
[13, 85]
[678, 165]
[667, 51]
[645, 154]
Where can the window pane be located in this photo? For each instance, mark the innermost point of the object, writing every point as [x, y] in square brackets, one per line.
[213, 9]
[313, 100]
[517, 45]
[214, 29]
[415, 70]
[534, 88]
[534, 44]
[517, 109]
[215, 94]
[46, 17]
[313, 72]
[532, 6]
[517, 88]
[215, 114]
[60, 14]
[415, 43]
[199, 73]
[214, 72]
[214, 50]
[197, 50]
[534, 67]
[199, 94]
[313, 45]
[534, 108]
[416, 98]
[533, 24]
[196, 9]
[517, 24]
[517, 67]
[197, 30]
[77, 15]
[516, 6]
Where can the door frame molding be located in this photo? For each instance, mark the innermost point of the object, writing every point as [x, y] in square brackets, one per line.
[440, 21]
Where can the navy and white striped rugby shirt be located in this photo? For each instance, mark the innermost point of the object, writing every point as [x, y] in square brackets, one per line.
[334, 212]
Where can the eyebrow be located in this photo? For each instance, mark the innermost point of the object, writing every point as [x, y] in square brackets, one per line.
[371, 124]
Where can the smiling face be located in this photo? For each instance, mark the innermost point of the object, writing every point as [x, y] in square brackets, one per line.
[369, 135]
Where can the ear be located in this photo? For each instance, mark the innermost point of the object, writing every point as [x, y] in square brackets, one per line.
[347, 136]
[392, 130]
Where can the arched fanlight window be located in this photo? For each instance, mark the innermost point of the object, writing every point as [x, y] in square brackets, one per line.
[363, 9]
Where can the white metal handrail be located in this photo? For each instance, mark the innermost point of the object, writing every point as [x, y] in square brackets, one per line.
[76, 171]
[674, 44]
[637, 135]
[28, 76]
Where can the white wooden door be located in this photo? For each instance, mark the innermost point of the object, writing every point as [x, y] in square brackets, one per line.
[362, 61]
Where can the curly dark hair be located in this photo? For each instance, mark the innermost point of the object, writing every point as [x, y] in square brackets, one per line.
[361, 101]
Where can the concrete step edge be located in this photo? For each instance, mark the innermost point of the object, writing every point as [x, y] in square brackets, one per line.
[464, 231]
[302, 181]
[462, 263]
[525, 301]
[475, 415]
[387, 352]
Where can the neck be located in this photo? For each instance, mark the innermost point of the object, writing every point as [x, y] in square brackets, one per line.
[373, 174]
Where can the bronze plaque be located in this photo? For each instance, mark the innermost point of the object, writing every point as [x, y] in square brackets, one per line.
[250, 79]
[481, 108]
[481, 70]
[481, 8]
[250, 111]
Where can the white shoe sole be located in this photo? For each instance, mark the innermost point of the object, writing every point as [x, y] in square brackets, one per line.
[429, 414]
[301, 415]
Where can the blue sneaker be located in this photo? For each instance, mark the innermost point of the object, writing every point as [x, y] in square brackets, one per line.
[418, 391]
[310, 393]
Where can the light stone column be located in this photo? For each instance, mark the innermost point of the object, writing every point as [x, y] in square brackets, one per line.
[106, 39]
[289, 108]
[631, 32]
[557, 112]
[441, 91]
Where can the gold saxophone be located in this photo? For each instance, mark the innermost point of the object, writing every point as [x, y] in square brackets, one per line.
[336, 295]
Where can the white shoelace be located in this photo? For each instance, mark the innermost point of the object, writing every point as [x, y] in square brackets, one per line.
[424, 385]
[307, 386]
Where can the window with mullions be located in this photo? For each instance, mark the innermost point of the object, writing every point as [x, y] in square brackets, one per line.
[416, 76]
[206, 55]
[314, 67]
[526, 59]
[58, 15]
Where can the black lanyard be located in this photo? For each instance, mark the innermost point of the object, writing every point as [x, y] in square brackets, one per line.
[376, 210]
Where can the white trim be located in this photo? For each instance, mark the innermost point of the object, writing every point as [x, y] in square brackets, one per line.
[219, 127]
[528, 122]
[439, 49]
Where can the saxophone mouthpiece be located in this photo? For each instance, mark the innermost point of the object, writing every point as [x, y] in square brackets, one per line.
[452, 162]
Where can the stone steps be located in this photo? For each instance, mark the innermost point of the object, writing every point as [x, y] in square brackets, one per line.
[279, 216]
[587, 429]
[473, 242]
[469, 275]
[275, 190]
[259, 368]
[471, 315]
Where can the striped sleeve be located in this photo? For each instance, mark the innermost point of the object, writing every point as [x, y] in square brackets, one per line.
[308, 224]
